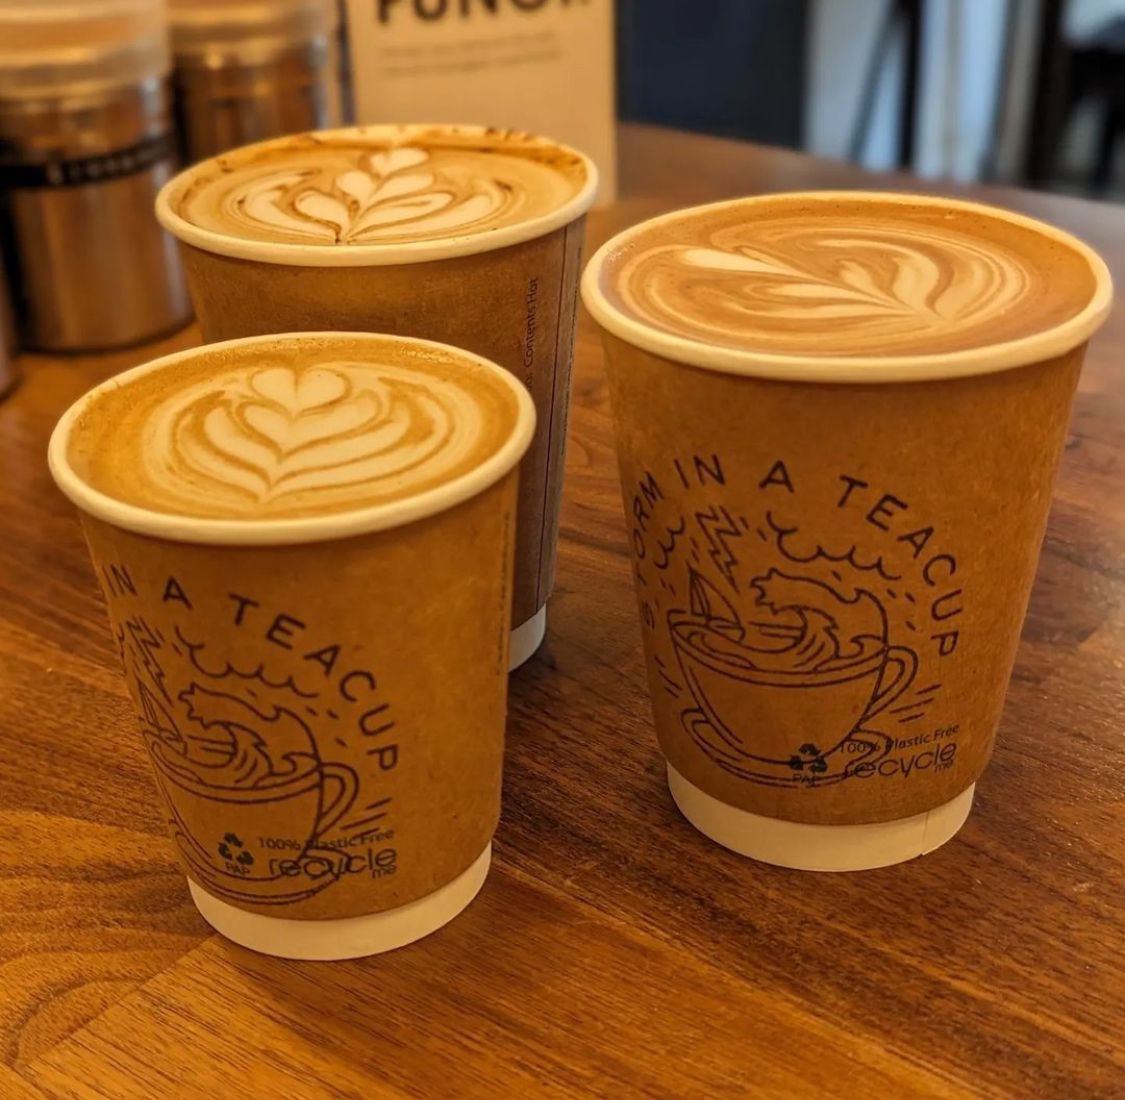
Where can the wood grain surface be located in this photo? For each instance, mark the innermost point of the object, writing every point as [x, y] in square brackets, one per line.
[614, 952]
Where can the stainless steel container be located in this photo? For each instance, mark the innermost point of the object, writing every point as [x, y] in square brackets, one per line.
[246, 70]
[85, 144]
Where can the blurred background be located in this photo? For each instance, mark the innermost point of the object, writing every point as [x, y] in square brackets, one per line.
[1021, 91]
[102, 101]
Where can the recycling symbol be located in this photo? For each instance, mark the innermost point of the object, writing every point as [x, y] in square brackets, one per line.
[226, 849]
[817, 763]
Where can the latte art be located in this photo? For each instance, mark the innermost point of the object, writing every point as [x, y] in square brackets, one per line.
[278, 435]
[863, 278]
[268, 436]
[884, 281]
[382, 197]
[340, 189]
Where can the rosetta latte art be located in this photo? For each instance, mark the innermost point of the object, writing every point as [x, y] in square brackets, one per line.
[374, 200]
[346, 194]
[872, 283]
[265, 439]
[312, 426]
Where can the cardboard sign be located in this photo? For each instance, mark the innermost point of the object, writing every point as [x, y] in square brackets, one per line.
[545, 66]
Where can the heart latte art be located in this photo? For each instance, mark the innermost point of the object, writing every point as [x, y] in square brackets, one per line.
[274, 436]
[863, 278]
[342, 190]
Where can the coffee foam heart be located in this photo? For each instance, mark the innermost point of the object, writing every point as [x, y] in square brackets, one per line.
[276, 433]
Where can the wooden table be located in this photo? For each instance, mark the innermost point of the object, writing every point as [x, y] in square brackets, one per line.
[614, 952]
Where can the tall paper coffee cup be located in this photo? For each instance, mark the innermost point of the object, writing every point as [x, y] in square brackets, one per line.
[509, 294]
[322, 698]
[833, 559]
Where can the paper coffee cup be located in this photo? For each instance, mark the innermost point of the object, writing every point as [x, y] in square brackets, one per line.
[322, 697]
[509, 294]
[833, 554]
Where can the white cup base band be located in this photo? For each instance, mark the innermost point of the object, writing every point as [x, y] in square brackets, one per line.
[527, 638]
[350, 937]
[819, 847]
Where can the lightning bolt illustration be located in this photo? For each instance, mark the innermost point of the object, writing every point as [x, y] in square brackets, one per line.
[146, 641]
[718, 525]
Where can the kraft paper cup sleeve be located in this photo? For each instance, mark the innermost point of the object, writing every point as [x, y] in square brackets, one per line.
[882, 517]
[313, 763]
[305, 689]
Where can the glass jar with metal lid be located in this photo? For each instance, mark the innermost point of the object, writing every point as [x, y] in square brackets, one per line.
[85, 144]
[246, 70]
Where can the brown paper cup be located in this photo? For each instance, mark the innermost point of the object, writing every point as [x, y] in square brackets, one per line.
[358, 655]
[508, 295]
[907, 501]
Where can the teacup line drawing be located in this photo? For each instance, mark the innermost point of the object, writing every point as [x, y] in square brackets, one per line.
[246, 765]
[787, 696]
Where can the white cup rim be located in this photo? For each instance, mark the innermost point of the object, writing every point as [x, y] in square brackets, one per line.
[371, 255]
[299, 530]
[987, 359]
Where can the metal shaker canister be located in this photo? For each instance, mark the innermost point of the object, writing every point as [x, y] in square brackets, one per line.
[85, 144]
[246, 70]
